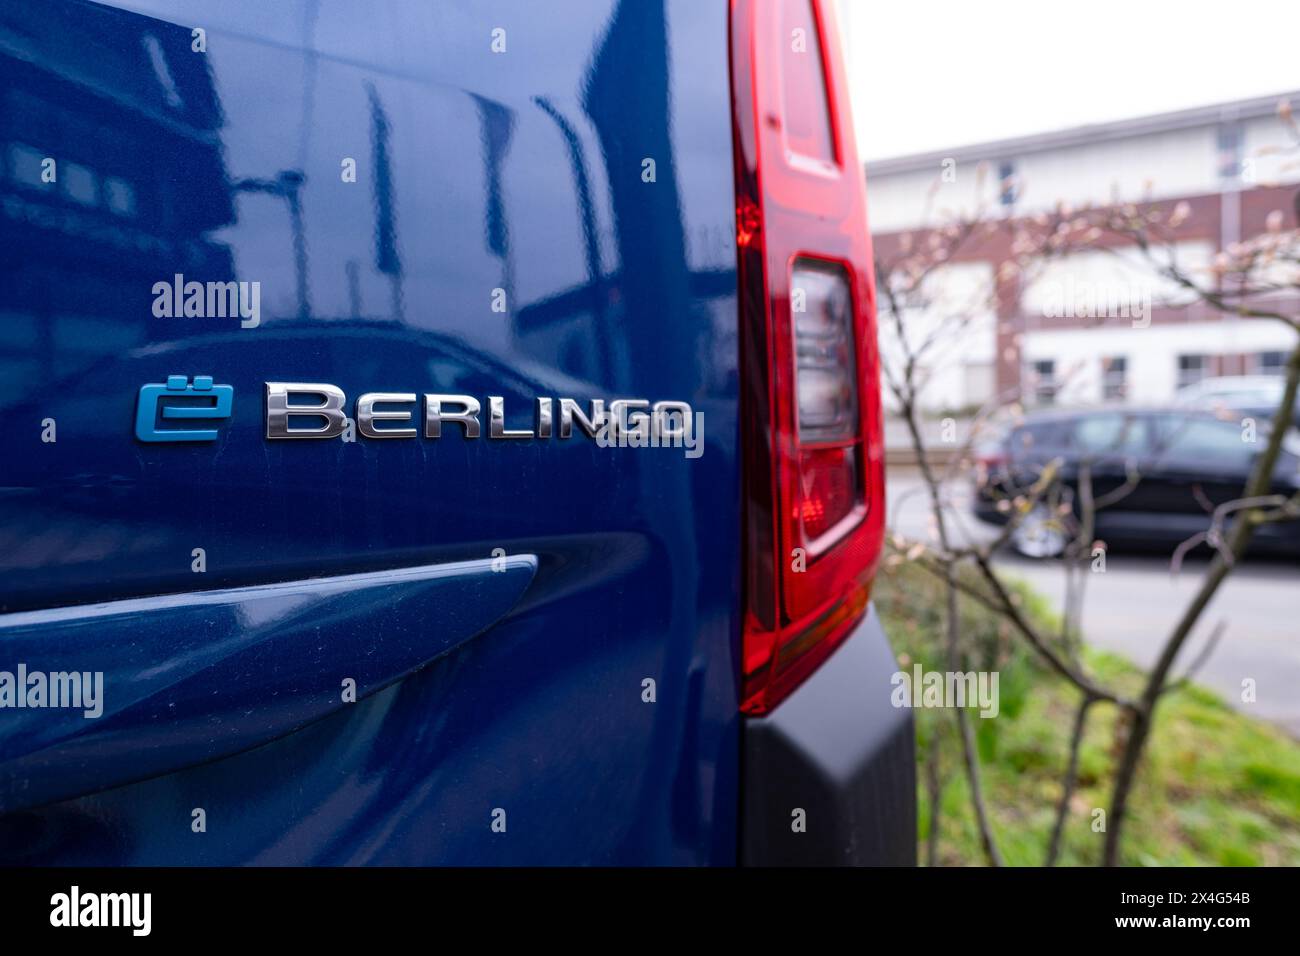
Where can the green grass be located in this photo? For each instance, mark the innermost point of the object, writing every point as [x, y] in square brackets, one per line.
[1215, 787]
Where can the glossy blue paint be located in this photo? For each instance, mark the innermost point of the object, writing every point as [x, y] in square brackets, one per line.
[481, 178]
[199, 676]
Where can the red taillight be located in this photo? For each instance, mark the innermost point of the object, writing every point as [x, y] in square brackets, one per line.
[813, 454]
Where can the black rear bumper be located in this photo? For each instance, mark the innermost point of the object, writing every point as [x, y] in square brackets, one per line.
[838, 750]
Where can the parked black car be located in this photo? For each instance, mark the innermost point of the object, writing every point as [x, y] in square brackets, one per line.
[1187, 463]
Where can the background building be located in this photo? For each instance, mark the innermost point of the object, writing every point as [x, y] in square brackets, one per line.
[1131, 337]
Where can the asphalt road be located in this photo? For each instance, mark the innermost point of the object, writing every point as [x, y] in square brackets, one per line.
[1131, 607]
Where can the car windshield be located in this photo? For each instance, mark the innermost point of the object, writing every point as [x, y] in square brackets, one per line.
[1248, 396]
[1206, 439]
[1112, 433]
[1291, 442]
[1037, 436]
[1248, 391]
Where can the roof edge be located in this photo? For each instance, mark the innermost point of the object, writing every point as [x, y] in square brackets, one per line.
[1089, 133]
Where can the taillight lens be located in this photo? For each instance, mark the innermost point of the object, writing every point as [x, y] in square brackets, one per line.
[813, 454]
[826, 368]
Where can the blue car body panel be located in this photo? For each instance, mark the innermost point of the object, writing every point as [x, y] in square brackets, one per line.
[266, 650]
[500, 154]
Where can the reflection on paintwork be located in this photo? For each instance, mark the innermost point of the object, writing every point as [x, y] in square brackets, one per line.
[480, 179]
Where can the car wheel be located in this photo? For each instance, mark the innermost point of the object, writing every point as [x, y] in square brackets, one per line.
[1039, 535]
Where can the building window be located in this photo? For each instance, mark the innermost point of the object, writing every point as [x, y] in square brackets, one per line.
[980, 384]
[163, 73]
[1008, 187]
[1192, 368]
[79, 183]
[1043, 381]
[1114, 378]
[119, 196]
[26, 165]
[1270, 363]
[1229, 143]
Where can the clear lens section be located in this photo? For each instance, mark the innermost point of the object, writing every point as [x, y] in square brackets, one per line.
[821, 308]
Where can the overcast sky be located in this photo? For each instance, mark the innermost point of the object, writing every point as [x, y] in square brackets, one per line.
[930, 74]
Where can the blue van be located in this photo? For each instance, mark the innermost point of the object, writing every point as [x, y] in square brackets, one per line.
[439, 433]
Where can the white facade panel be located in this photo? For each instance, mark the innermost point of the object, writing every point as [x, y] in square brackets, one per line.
[925, 198]
[952, 323]
[1151, 354]
[1156, 166]
[1102, 283]
[1270, 152]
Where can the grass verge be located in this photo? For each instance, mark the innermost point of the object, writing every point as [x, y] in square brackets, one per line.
[1215, 787]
